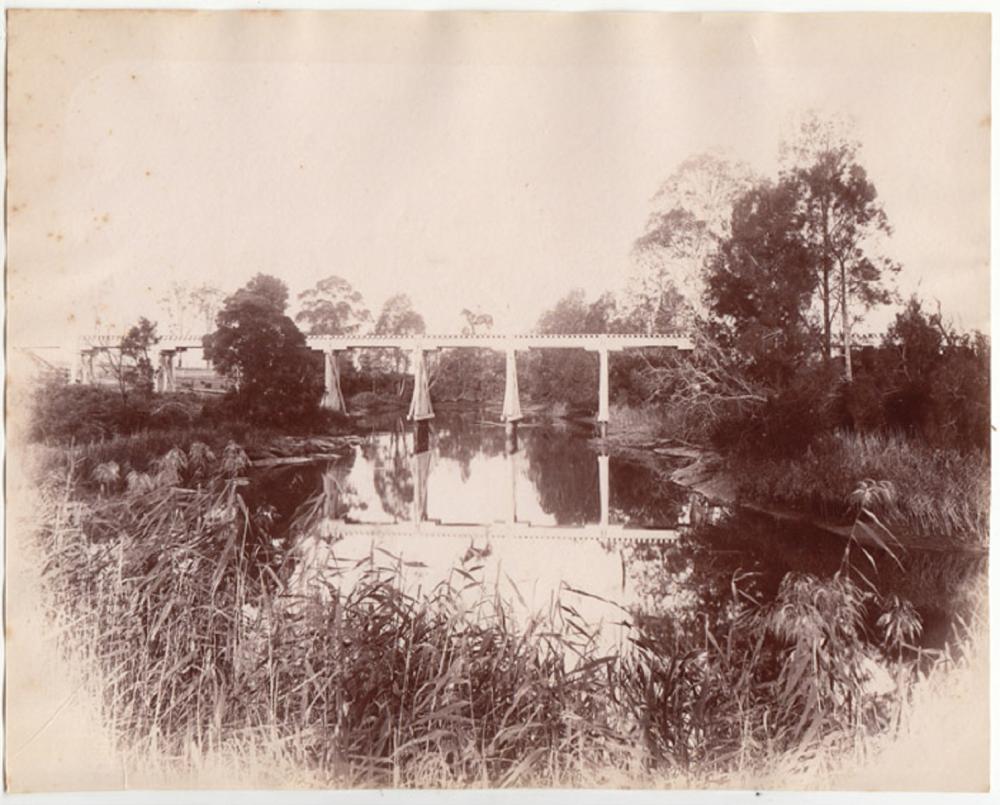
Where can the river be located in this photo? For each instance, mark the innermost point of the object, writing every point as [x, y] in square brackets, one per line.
[553, 521]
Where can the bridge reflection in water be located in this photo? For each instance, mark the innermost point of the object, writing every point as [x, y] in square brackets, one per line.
[536, 567]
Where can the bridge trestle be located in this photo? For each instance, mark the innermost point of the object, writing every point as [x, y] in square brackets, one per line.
[420, 404]
[511, 397]
[165, 381]
[333, 396]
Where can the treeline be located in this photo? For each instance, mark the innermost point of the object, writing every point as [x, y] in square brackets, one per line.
[770, 275]
[786, 279]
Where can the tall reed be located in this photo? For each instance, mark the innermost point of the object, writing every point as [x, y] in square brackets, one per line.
[181, 593]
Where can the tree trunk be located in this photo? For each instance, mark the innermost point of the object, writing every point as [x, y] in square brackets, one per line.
[845, 323]
[827, 344]
[827, 267]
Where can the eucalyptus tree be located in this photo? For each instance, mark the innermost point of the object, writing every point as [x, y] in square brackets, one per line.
[333, 307]
[692, 210]
[130, 363]
[843, 222]
[399, 317]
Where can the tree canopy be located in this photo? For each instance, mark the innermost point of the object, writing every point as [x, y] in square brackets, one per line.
[691, 216]
[760, 284]
[841, 219]
[333, 307]
[130, 364]
[264, 354]
[398, 317]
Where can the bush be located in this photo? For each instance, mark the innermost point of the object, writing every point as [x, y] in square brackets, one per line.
[258, 347]
[788, 422]
[63, 413]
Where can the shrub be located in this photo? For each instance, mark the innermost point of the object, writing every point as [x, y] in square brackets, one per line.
[64, 413]
[788, 422]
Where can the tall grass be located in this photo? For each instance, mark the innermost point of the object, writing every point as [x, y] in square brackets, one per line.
[178, 595]
[941, 495]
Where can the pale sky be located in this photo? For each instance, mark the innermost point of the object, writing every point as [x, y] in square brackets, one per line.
[483, 159]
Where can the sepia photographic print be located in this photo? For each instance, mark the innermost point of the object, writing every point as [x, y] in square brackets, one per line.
[491, 400]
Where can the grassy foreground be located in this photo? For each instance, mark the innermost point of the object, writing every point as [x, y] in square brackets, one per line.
[172, 600]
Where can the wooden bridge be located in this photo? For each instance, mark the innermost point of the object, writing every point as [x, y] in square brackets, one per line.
[418, 346]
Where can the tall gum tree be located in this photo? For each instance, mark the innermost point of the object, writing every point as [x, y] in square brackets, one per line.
[759, 284]
[843, 223]
[333, 307]
[691, 217]
[399, 317]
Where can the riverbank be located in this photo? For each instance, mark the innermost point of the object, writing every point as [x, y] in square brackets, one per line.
[927, 497]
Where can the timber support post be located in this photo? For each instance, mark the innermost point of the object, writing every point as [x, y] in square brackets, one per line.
[510, 438]
[421, 473]
[166, 376]
[420, 404]
[512, 500]
[511, 396]
[87, 366]
[603, 391]
[421, 436]
[333, 396]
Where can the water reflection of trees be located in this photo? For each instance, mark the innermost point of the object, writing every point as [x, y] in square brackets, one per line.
[681, 588]
[644, 495]
[463, 439]
[389, 457]
[288, 490]
[563, 469]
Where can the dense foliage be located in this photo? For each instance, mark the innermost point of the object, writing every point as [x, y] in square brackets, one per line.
[63, 413]
[275, 378]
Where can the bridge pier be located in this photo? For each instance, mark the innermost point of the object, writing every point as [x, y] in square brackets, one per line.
[510, 438]
[421, 473]
[512, 500]
[165, 380]
[511, 396]
[420, 404]
[603, 394]
[421, 436]
[333, 396]
[87, 367]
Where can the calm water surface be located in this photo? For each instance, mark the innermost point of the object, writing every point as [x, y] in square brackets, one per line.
[556, 523]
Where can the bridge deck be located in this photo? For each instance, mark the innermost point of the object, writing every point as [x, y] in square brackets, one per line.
[592, 341]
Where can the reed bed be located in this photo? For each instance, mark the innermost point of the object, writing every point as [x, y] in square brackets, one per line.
[176, 596]
[940, 494]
